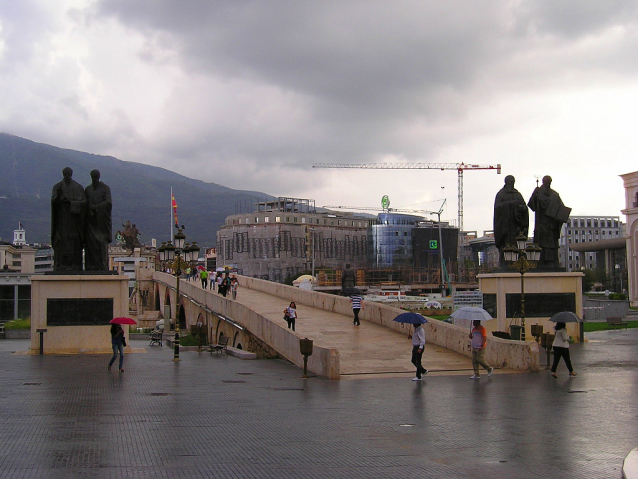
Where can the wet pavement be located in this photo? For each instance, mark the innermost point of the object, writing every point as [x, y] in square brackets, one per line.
[66, 416]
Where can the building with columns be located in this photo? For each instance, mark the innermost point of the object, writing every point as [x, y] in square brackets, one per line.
[630, 181]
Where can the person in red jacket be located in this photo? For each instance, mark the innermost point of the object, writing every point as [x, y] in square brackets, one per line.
[478, 335]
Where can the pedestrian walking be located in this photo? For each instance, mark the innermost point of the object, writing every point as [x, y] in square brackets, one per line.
[418, 346]
[225, 286]
[357, 305]
[118, 342]
[478, 335]
[233, 287]
[220, 279]
[204, 277]
[188, 274]
[212, 279]
[560, 347]
[290, 315]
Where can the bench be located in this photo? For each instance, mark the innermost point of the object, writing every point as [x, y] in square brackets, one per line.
[220, 347]
[156, 337]
[616, 322]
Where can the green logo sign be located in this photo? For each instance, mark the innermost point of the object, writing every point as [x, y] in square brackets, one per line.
[434, 244]
[385, 202]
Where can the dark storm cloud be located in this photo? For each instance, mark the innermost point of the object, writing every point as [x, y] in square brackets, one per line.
[367, 70]
[355, 58]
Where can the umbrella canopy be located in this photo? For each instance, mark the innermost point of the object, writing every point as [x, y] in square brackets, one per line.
[305, 277]
[219, 270]
[122, 320]
[433, 304]
[471, 313]
[352, 291]
[565, 317]
[410, 318]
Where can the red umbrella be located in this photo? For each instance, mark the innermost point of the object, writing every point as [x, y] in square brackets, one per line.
[122, 320]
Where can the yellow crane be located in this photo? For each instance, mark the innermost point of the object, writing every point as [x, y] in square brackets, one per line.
[459, 167]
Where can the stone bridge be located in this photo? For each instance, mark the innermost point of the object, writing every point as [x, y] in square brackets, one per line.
[254, 322]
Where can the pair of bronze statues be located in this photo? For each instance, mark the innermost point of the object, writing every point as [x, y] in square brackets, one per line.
[80, 219]
[511, 218]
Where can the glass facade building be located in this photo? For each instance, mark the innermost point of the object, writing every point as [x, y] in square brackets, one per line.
[391, 240]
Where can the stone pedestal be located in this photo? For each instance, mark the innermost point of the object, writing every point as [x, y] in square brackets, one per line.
[75, 310]
[545, 295]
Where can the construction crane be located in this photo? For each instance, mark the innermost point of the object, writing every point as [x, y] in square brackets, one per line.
[444, 273]
[459, 167]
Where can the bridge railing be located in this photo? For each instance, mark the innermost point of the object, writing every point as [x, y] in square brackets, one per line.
[323, 362]
[518, 355]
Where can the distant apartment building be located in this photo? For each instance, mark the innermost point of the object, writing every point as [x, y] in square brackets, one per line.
[586, 229]
[286, 236]
[43, 259]
[17, 264]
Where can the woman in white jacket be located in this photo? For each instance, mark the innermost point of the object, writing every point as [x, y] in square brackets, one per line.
[561, 349]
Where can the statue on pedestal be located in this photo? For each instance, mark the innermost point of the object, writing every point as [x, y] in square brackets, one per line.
[511, 217]
[551, 213]
[348, 279]
[99, 231]
[68, 214]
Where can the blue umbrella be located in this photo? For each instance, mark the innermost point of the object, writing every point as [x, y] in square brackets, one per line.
[410, 318]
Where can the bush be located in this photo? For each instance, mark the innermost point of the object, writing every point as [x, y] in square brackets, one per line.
[18, 324]
[191, 340]
[617, 296]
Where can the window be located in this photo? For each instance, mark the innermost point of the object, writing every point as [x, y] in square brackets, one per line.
[277, 219]
[266, 219]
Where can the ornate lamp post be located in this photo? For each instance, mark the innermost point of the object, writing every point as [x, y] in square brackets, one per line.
[522, 258]
[178, 256]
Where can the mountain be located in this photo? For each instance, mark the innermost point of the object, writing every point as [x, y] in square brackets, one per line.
[140, 193]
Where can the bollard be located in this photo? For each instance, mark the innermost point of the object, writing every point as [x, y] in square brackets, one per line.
[305, 347]
[41, 331]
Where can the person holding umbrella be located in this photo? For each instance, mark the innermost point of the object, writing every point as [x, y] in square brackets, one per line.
[117, 341]
[478, 335]
[561, 349]
[418, 340]
[418, 345]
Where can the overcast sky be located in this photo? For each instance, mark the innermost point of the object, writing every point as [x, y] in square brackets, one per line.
[250, 94]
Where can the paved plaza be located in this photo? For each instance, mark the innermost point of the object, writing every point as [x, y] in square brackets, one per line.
[66, 416]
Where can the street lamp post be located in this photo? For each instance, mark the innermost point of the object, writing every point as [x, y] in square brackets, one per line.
[312, 232]
[522, 258]
[177, 255]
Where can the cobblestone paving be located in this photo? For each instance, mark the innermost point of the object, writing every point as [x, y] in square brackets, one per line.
[218, 416]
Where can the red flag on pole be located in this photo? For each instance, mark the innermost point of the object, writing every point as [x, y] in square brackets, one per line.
[174, 203]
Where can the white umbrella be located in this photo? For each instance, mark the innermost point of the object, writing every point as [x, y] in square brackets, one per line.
[433, 304]
[471, 313]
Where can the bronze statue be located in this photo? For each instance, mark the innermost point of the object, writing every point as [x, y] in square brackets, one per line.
[99, 231]
[551, 213]
[130, 236]
[348, 279]
[511, 217]
[68, 212]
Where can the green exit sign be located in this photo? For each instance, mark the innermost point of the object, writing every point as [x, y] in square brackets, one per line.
[434, 244]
